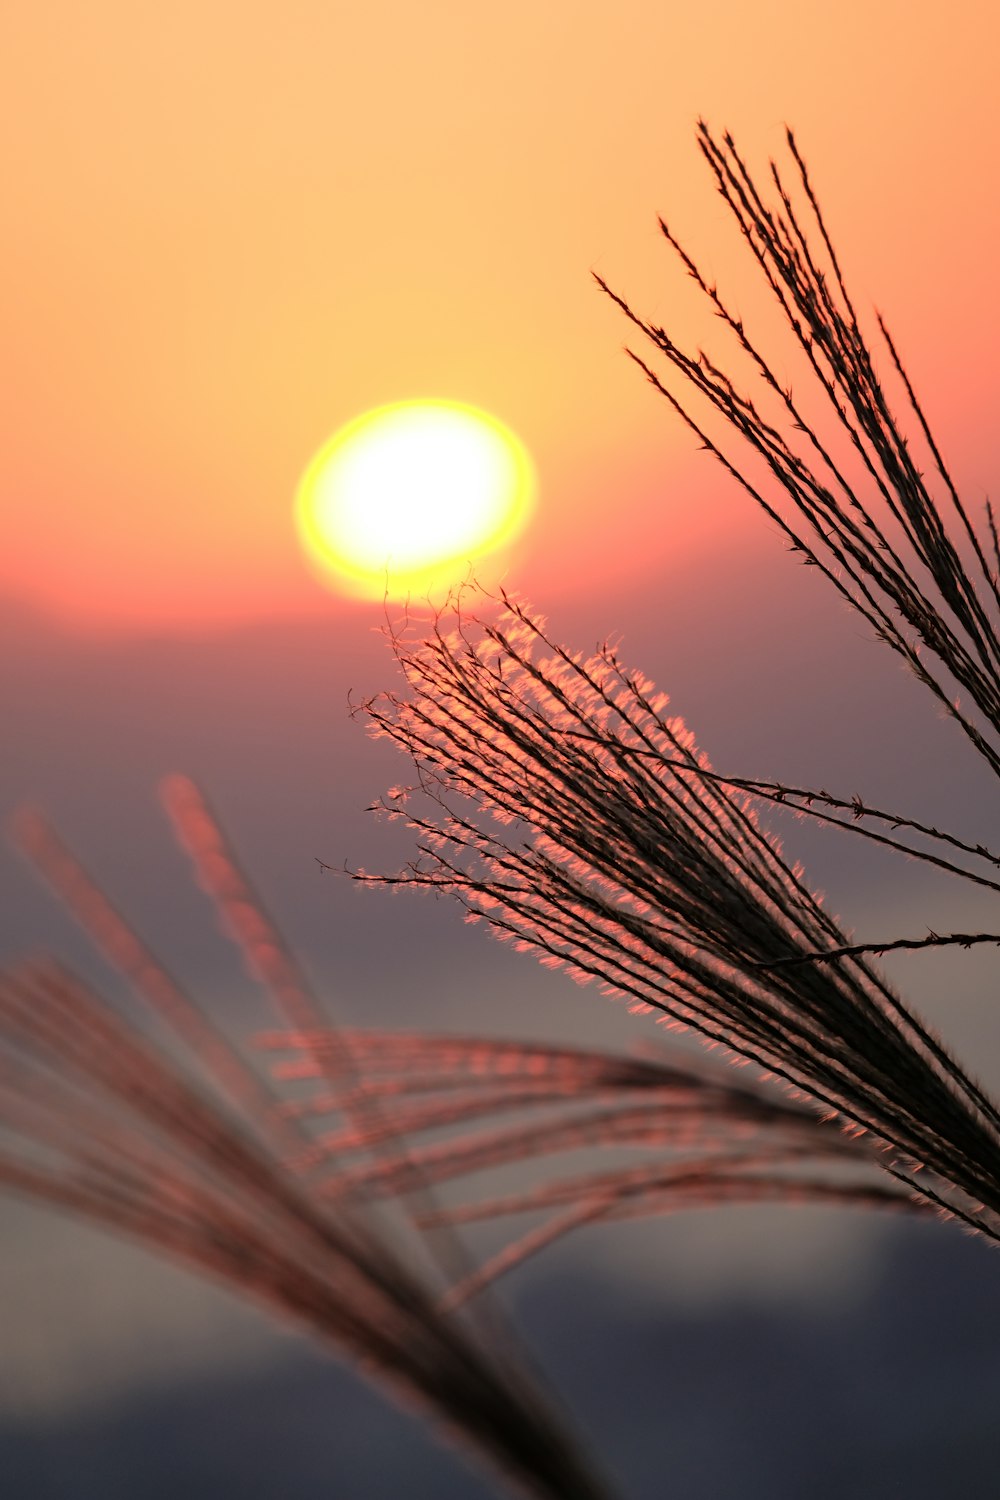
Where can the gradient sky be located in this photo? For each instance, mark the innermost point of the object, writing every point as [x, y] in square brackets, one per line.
[228, 229]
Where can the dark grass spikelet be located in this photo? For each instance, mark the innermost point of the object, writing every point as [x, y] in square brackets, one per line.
[895, 541]
[561, 806]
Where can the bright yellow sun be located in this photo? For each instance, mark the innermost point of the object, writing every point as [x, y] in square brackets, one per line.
[406, 496]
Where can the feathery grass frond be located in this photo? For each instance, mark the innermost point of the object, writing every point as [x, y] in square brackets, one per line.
[533, 808]
[97, 1120]
[704, 1137]
[910, 563]
[823, 807]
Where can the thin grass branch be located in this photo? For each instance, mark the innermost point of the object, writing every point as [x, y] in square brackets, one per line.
[880, 537]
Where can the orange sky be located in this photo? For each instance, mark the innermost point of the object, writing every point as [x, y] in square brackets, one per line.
[230, 227]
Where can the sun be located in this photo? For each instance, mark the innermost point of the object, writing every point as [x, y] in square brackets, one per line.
[405, 497]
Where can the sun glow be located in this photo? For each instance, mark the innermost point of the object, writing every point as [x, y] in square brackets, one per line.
[405, 497]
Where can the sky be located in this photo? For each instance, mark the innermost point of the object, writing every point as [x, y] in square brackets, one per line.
[228, 230]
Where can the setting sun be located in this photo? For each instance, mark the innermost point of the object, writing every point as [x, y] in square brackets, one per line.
[406, 496]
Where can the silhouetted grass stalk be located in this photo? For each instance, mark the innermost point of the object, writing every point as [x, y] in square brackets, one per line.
[96, 1120]
[884, 543]
[557, 802]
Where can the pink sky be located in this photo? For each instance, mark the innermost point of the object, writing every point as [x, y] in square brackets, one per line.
[226, 237]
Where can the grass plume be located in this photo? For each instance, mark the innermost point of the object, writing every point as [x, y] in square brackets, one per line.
[97, 1120]
[562, 806]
